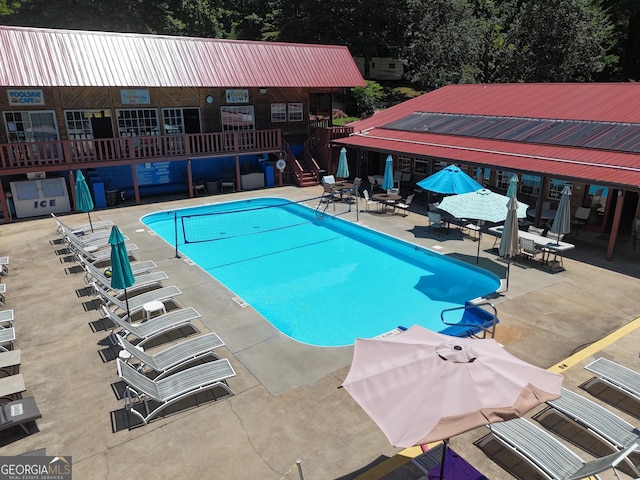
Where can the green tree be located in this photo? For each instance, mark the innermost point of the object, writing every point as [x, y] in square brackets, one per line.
[442, 43]
[557, 41]
[365, 98]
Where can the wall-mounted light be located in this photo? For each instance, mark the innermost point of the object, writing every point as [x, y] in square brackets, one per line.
[209, 99]
[262, 90]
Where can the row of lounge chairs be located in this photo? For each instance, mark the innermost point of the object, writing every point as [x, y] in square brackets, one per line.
[552, 458]
[153, 380]
[15, 411]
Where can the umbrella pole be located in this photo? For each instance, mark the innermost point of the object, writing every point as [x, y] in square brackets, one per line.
[445, 443]
[126, 300]
[90, 224]
[508, 268]
[479, 239]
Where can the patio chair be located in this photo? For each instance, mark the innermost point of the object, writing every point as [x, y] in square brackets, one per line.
[173, 358]
[435, 221]
[535, 230]
[168, 390]
[137, 268]
[160, 325]
[604, 423]
[93, 273]
[19, 413]
[7, 337]
[404, 205]
[368, 200]
[580, 218]
[94, 253]
[552, 458]
[11, 387]
[528, 248]
[135, 302]
[617, 376]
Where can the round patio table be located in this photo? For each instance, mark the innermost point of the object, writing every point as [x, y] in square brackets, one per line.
[387, 199]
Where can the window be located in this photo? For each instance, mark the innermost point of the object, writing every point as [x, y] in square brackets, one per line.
[556, 187]
[295, 112]
[421, 166]
[237, 118]
[530, 184]
[404, 163]
[503, 178]
[278, 112]
[33, 126]
[173, 121]
[136, 122]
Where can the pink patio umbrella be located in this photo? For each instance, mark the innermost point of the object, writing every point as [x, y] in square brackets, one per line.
[420, 386]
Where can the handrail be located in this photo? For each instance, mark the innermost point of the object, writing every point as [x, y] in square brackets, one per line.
[71, 152]
[491, 330]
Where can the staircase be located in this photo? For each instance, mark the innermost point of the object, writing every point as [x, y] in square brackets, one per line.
[306, 176]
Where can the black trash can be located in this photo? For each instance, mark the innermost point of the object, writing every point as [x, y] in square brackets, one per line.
[112, 198]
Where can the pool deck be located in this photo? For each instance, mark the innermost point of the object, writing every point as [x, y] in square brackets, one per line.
[288, 403]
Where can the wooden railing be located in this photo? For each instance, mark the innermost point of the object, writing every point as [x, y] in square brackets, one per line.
[32, 155]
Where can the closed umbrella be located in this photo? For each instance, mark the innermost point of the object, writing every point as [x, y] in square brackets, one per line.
[509, 239]
[562, 220]
[512, 191]
[449, 180]
[387, 181]
[482, 205]
[121, 274]
[420, 386]
[84, 202]
[343, 165]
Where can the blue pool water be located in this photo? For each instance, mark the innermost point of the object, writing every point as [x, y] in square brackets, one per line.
[323, 281]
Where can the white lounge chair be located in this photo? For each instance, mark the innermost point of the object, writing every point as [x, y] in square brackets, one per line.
[135, 301]
[97, 225]
[597, 419]
[160, 325]
[94, 253]
[552, 458]
[617, 376]
[168, 390]
[178, 356]
[7, 337]
[93, 273]
[4, 265]
[6, 318]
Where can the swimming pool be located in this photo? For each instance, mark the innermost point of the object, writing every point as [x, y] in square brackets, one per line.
[322, 281]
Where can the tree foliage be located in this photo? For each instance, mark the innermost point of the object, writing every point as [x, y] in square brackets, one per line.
[441, 41]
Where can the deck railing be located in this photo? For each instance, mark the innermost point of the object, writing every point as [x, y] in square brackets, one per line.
[30, 155]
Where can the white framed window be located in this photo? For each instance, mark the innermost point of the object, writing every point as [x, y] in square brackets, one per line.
[31, 126]
[237, 118]
[556, 187]
[404, 163]
[421, 166]
[278, 112]
[530, 184]
[295, 111]
[137, 122]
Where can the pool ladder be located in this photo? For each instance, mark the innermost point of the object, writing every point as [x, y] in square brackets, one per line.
[486, 323]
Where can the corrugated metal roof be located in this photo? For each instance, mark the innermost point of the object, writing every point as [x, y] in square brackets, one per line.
[33, 57]
[617, 103]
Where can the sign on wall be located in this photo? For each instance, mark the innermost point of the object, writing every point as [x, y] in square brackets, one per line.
[153, 173]
[135, 97]
[25, 97]
[237, 96]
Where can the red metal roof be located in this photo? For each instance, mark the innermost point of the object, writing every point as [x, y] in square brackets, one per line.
[33, 57]
[616, 103]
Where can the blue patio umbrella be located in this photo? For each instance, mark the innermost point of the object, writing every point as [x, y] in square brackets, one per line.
[121, 274]
[343, 165]
[512, 191]
[449, 180]
[387, 181]
[84, 202]
[562, 220]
